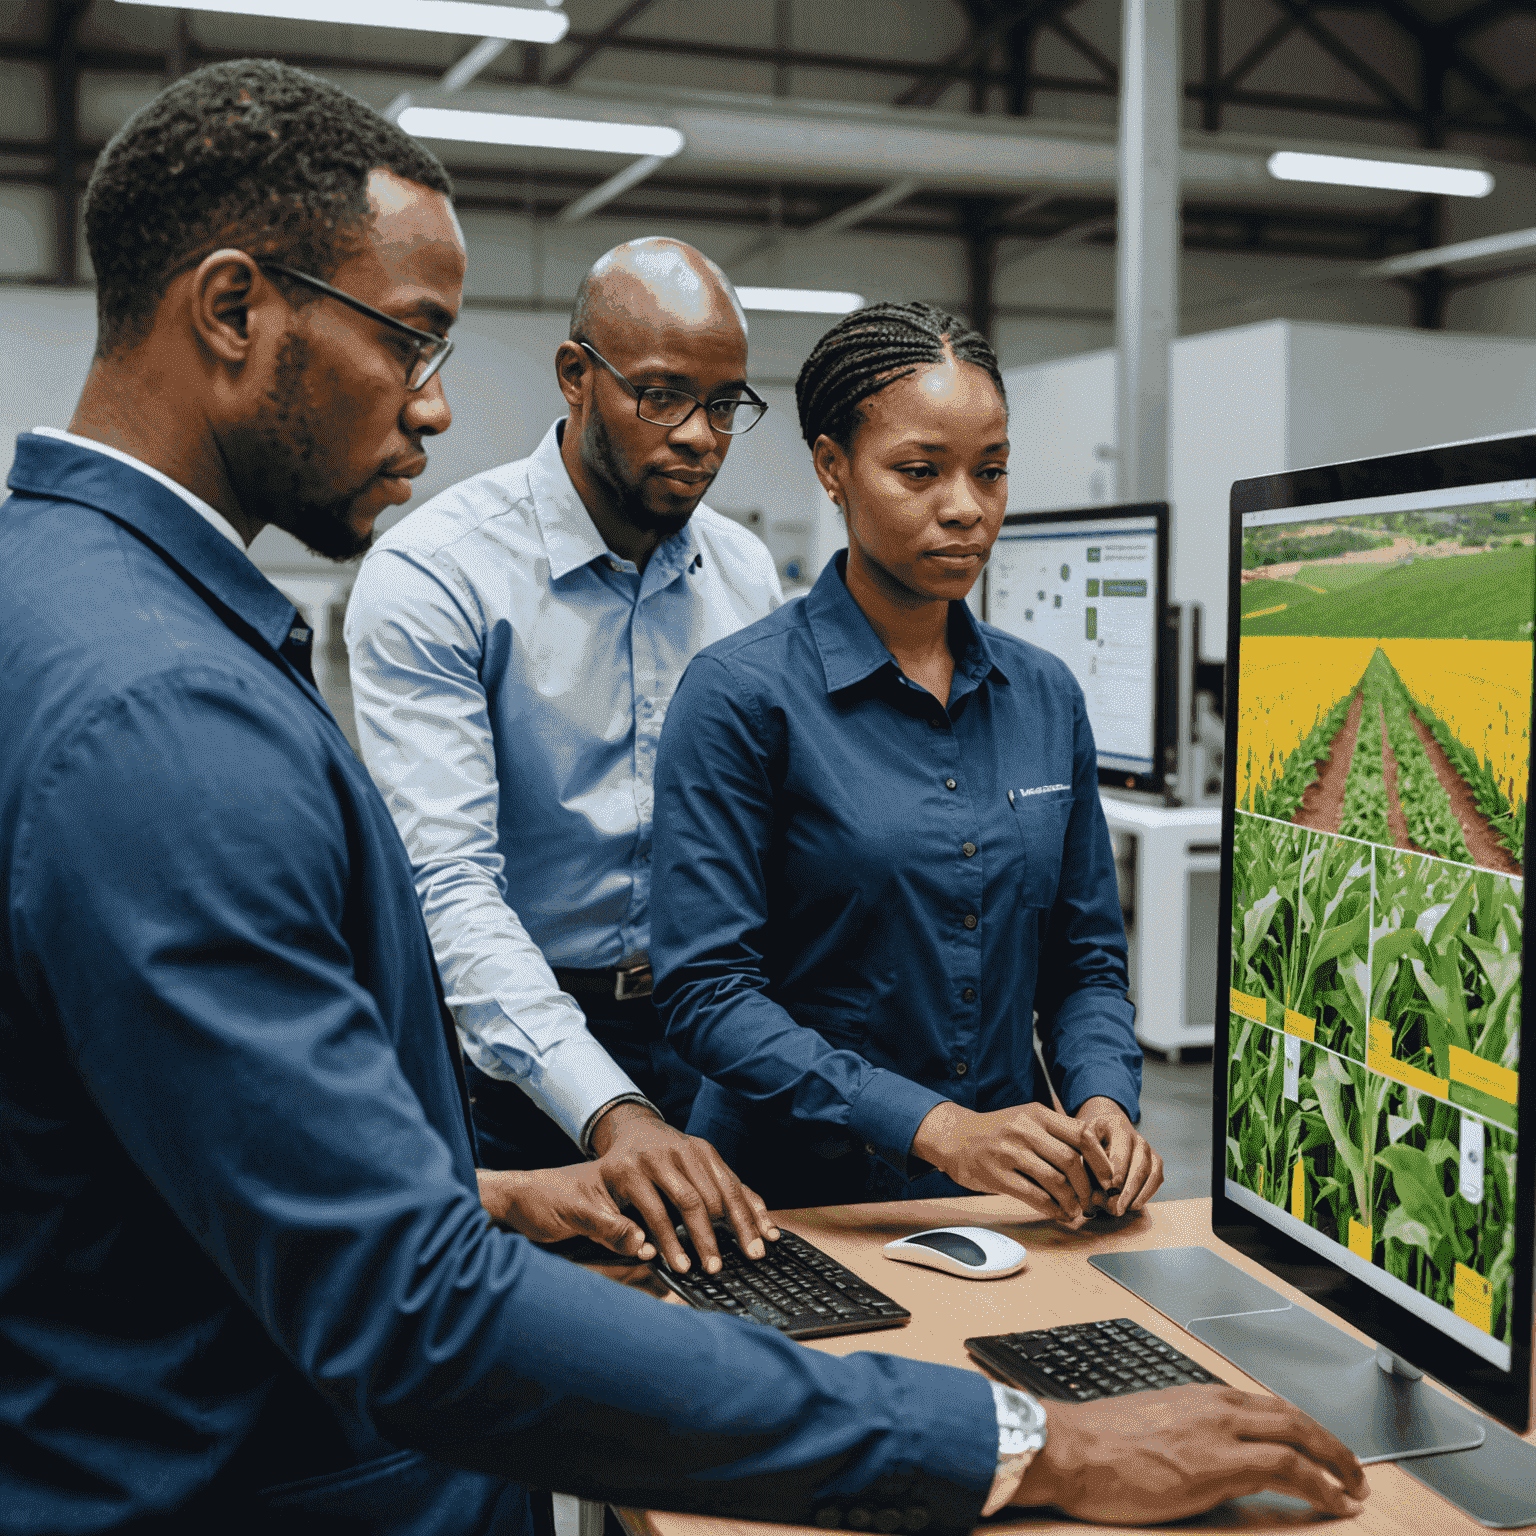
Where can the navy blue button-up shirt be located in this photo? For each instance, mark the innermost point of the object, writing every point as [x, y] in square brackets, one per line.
[862, 897]
[240, 1239]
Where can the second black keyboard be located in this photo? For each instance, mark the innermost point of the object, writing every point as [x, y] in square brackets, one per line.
[1082, 1361]
[795, 1288]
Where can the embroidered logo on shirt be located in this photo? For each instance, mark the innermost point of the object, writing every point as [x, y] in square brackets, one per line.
[1040, 789]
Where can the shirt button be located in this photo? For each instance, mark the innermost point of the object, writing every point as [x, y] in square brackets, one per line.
[949, 783]
[971, 919]
[959, 1069]
[967, 849]
[935, 722]
[969, 995]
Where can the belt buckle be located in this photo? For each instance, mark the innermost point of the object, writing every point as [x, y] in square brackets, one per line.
[634, 982]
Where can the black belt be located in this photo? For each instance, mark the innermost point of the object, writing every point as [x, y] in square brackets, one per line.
[622, 983]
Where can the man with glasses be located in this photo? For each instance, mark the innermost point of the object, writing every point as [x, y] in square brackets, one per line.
[514, 646]
[246, 1281]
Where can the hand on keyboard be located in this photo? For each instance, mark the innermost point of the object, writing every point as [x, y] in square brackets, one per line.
[1158, 1456]
[552, 1204]
[649, 1167]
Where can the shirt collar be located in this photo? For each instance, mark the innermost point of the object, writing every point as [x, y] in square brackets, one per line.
[209, 514]
[850, 649]
[571, 539]
[82, 471]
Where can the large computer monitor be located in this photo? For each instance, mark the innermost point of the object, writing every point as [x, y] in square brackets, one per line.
[1374, 1132]
[1091, 586]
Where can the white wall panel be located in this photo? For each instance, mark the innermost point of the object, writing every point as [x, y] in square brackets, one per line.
[50, 334]
[26, 231]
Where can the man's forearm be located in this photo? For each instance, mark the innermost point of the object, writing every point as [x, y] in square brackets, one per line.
[611, 1121]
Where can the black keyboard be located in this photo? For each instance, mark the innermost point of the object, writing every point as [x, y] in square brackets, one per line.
[1082, 1361]
[795, 1288]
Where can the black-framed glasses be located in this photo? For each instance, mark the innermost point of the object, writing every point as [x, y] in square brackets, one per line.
[431, 350]
[666, 407]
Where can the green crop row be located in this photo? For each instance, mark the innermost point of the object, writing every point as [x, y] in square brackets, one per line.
[1506, 820]
[1365, 791]
[1283, 794]
[1432, 824]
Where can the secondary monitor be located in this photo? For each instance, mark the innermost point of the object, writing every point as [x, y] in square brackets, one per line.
[1373, 1115]
[1089, 585]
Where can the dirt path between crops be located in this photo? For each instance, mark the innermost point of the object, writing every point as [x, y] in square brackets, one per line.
[1322, 805]
[1486, 850]
[1397, 822]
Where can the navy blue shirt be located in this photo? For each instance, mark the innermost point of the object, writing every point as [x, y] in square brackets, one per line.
[240, 1241]
[862, 896]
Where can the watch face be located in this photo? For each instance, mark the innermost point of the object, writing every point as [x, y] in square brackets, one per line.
[1030, 1421]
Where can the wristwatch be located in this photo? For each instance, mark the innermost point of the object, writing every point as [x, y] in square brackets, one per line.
[1021, 1435]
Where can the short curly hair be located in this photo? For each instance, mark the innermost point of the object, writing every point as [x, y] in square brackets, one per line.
[251, 153]
[873, 347]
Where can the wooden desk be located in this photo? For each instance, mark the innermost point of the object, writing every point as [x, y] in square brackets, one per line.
[1057, 1286]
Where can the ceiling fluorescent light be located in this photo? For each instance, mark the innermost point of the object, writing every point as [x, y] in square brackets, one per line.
[518, 23]
[1392, 175]
[540, 132]
[804, 301]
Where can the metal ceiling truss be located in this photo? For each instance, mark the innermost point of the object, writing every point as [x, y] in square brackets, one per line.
[999, 30]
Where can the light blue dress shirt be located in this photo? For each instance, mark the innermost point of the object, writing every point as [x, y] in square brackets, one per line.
[511, 677]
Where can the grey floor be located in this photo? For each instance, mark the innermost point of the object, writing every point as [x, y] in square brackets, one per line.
[1176, 1119]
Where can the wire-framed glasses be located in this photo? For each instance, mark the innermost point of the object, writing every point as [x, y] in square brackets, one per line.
[732, 414]
[430, 351]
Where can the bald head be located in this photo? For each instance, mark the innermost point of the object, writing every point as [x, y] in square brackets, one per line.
[657, 284]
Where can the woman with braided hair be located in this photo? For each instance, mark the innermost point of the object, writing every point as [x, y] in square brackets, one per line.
[879, 845]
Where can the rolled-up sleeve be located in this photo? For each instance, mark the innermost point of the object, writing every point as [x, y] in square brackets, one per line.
[1086, 1022]
[417, 644]
[179, 881]
[711, 923]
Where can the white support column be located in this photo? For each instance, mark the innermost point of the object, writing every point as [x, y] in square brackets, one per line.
[1147, 252]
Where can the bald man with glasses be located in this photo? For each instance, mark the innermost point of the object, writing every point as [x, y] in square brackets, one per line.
[514, 647]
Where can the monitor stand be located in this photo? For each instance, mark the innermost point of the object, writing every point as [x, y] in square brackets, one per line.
[1376, 1404]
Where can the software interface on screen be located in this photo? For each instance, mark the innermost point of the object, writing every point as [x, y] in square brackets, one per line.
[1383, 752]
[1087, 592]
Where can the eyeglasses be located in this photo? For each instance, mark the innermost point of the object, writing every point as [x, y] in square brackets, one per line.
[430, 351]
[733, 414]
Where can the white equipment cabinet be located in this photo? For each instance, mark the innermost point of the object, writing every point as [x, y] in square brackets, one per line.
[1175, 903]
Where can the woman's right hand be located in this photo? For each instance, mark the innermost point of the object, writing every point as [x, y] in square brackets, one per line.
[1039, 1157]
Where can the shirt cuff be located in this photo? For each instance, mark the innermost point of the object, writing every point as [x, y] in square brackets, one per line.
[602, 1109]
[1011, 1405]
[1106, 1083]
[887, 1114]
[571, 1084]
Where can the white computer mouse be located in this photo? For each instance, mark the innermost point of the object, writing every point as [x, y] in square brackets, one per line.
[973, 1252]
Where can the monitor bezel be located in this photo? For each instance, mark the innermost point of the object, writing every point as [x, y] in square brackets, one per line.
[1507, 1396]
[1166, 667]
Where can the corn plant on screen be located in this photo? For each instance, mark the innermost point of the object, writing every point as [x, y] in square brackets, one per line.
[1383, 755]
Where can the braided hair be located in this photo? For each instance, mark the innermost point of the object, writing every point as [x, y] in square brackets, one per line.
[873, 347]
